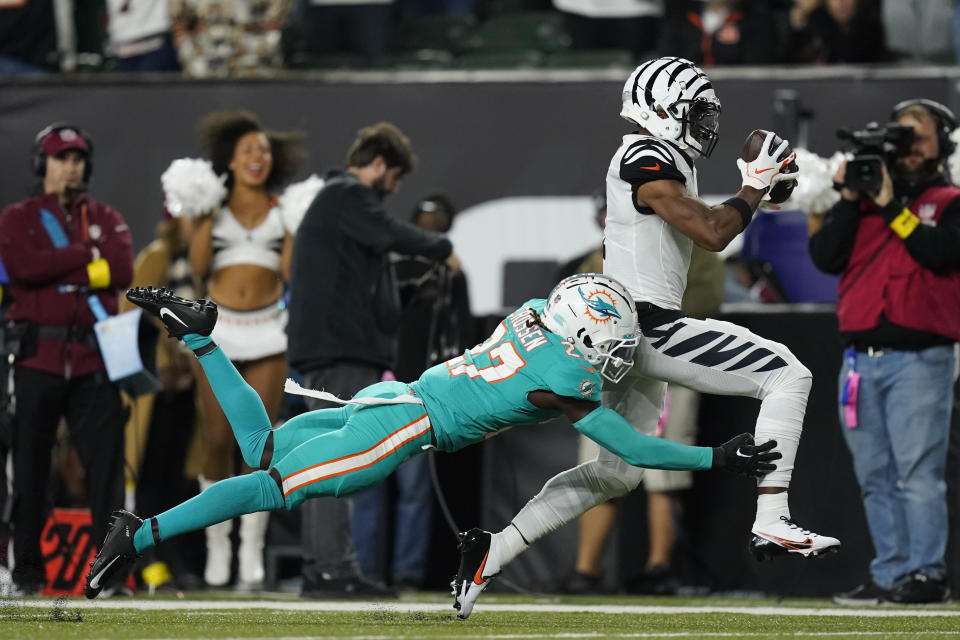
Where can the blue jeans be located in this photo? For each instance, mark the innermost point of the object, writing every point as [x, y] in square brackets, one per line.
[413, 512]
[899, 454]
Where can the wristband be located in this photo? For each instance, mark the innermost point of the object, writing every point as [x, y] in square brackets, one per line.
[904, 224]
[746, 213]
[98, 272]
[718, 461]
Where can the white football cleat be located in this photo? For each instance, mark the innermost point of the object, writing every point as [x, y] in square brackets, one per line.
[475, 572]
[786, 537]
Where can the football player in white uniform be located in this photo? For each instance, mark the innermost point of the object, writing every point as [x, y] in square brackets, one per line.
[654, 216]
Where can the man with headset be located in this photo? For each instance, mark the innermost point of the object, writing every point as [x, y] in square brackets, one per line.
[66, 255]
[898, 253]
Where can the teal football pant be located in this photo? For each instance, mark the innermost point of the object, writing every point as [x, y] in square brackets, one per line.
[330, 452]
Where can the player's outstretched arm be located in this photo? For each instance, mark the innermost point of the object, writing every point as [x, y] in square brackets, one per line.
[611, 431]
[710, 227]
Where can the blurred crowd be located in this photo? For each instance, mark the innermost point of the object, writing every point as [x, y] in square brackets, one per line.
[213, 38]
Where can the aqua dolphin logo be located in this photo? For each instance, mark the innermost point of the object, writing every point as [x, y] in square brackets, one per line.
[598, 308]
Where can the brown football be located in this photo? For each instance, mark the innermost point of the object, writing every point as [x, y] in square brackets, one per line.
[751, 149]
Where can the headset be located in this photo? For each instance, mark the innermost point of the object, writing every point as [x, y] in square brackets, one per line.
[943, 116]
[39, 158]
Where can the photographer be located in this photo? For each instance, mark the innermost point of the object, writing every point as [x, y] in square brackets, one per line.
[344, 317]
[66, 254]
[895, 239]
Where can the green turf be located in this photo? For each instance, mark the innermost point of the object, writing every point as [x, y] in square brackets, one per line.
[63, 620]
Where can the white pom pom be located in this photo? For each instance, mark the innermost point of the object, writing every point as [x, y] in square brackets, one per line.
[191, 188]
[953, 162]
[814, 192]
[296, 199]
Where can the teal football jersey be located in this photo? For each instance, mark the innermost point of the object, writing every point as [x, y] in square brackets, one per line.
[473, 396]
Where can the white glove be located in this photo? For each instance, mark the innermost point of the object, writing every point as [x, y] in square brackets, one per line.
[765, 170]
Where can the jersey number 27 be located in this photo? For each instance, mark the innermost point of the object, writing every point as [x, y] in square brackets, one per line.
[504, 359]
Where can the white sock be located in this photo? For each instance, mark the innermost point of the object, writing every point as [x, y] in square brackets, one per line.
[770, 507]
[504, 547]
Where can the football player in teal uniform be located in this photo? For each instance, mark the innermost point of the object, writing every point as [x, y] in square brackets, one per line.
[547, 358]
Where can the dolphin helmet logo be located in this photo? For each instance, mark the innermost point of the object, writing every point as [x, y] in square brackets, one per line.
[600, 305]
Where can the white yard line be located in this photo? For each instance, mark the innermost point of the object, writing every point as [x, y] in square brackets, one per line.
[416, 607]
[676, 634]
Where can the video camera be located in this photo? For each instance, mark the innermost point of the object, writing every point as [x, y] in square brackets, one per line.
[872, 147]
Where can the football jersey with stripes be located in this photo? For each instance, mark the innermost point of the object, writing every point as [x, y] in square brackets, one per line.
[484, 391]
[641, 250]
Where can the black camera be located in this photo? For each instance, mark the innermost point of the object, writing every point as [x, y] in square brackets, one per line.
[873, 146]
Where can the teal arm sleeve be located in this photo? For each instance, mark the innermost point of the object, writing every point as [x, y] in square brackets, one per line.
[610, 430]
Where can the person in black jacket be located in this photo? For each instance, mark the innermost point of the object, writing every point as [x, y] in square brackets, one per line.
[898, 253]
[344, 317]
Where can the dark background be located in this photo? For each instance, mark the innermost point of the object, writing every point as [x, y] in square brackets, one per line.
[475, 140]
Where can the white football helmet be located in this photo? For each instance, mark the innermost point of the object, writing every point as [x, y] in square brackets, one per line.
[597, 314]
[673, 100]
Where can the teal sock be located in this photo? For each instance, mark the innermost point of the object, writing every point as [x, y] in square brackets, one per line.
[195, 341]
[240, 403]
[222, 501]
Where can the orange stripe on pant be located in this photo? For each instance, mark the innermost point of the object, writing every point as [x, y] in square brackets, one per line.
[357, 461]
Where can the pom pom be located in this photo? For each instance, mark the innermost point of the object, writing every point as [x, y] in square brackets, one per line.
[953, 162]
[814, 192]
[296, 199]
[191, 188]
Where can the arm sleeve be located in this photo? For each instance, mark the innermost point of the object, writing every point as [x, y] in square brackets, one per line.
[35, 266]
[372, 227]
[610, 430]
[832, 244]
[933, 247]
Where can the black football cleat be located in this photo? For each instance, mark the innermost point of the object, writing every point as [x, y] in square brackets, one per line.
[786, 537]
[116, 555]
[475, 572]
[179, 315]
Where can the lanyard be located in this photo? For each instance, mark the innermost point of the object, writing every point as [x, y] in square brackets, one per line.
[851, 387]
[59, 240]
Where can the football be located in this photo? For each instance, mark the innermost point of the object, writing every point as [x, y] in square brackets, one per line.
[782, 191]
[751, 149]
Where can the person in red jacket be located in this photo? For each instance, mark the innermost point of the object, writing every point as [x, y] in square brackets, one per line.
[66, 254]
[898, 253]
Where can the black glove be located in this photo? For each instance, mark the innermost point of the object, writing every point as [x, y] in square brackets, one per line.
[741, 456]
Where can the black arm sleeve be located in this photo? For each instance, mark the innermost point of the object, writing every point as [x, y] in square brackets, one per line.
[933, 247]
[832, 244]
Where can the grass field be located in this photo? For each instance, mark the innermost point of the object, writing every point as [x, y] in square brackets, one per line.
[431, 616]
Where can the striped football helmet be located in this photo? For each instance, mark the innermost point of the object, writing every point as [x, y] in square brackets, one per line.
[673, 100]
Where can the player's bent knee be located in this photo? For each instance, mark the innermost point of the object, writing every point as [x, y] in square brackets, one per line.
[257, 457]
[795, 378]
[278, 482]
[616, 477]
